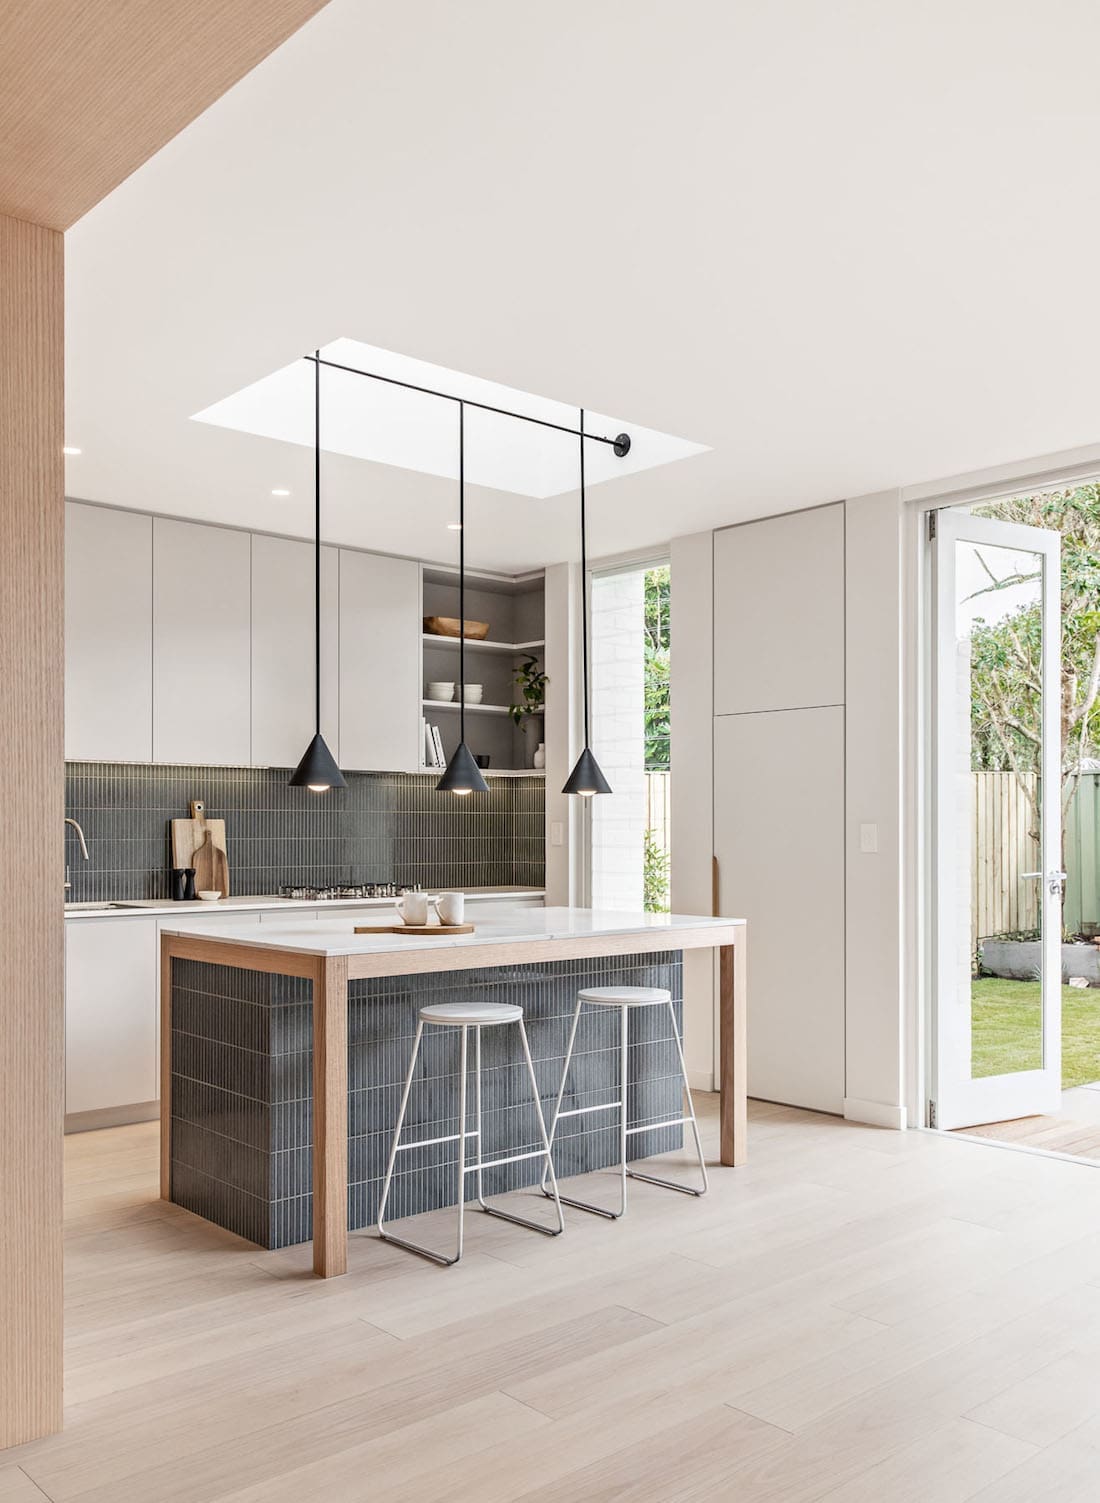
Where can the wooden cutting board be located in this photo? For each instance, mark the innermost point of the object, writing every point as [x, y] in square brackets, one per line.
[200, 842]
[415, 929]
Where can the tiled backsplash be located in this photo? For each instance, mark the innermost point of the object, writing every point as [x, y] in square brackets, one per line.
[384, 827]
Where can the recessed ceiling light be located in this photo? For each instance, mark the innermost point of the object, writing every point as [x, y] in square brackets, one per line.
[454, 526]
[280, 492]
[70, 449]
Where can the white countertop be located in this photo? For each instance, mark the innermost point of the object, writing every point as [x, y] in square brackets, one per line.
[251, 904]
[337, 937]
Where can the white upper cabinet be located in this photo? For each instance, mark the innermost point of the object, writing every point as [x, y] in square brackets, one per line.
[380, 628]
[108, 634]
[779, 613]
[283, 717]
[201, 644]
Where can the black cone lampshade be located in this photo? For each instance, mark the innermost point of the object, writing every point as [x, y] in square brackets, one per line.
[586, 777]
[462, 774]
[317, 770]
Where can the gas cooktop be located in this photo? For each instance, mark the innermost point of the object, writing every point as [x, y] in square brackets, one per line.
[346, 891]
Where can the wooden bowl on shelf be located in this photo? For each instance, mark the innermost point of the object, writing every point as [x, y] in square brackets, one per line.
[449, 626]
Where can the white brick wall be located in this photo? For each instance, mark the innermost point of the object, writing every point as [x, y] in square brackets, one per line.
[618, 740]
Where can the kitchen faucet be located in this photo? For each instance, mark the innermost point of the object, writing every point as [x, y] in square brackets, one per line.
[83, 847]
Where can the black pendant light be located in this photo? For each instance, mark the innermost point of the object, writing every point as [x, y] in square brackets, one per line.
[586, 777]
[462, 774]
[317, 770]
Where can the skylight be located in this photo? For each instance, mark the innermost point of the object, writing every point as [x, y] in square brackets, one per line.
[390, 425]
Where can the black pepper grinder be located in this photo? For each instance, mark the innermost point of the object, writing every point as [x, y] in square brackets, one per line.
[183, 884]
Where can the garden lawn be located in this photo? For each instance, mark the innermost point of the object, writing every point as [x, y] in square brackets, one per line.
[1006, 1019]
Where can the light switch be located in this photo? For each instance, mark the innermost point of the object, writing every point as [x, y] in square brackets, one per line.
[557, 832]
[868, 839]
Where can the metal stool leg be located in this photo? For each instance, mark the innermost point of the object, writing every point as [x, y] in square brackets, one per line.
[397, 1131]
[582, 1111]
[397, 1147]
[548, 1169]
[561, 1088]
[668, 1184]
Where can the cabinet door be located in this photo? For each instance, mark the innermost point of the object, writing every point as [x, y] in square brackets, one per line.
[111, 980]
[380, 691]
[779, 840]
[283, 718]
[779, 613]
[201, 644]
[108, 634]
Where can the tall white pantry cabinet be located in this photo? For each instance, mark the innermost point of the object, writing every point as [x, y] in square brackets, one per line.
[776, 626]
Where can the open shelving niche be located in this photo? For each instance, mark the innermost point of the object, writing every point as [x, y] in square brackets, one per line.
[516, 612]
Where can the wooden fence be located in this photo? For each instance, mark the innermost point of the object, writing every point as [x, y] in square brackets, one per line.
[1004, 846]
[657, 807]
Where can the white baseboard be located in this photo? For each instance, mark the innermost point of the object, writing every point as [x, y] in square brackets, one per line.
[702, 1080]
[875, 1113]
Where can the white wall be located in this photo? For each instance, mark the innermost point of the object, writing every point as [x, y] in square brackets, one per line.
[565, 822]
[692, 785]
[875, 687]
[618, 717]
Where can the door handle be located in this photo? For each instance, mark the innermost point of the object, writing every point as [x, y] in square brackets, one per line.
[1056, 881]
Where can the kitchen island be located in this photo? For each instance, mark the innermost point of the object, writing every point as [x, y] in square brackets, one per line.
[263, 1032]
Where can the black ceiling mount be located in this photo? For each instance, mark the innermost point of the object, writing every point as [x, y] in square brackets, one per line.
[620, 443]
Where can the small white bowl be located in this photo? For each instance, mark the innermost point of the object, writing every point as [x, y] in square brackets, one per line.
[441, 692]
[473, 694]
[209, 897]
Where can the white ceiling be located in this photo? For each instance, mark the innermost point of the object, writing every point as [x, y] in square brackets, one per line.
[843, 246]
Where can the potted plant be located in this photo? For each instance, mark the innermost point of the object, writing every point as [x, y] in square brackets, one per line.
[527, 714]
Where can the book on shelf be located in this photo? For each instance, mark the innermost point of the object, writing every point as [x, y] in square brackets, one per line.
[440, 758]
[430, 753]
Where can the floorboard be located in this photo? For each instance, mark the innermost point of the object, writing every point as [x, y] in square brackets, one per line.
[855, 1315]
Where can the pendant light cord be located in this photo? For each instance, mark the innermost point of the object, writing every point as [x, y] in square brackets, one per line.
[317, 538]
[461, 574]
[584, 586]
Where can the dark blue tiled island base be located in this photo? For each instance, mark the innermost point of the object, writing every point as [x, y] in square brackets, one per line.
[242, 1086]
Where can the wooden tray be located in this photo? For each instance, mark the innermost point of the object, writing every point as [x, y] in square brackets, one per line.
[414, 929]
[448, 626]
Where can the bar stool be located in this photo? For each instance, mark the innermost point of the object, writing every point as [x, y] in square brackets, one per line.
[626, 999]
[466, 1016]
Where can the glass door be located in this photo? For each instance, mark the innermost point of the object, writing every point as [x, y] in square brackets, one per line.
[996, 1038]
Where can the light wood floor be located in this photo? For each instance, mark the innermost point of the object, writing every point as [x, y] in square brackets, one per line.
[858, 1315]
[1058, 1134]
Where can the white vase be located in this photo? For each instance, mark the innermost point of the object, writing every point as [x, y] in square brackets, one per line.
[538, 761]
[533, 733]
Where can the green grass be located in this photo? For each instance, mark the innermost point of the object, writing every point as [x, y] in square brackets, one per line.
[1006, 1030]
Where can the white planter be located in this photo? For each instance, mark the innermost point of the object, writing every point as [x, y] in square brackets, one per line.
[1018, 960]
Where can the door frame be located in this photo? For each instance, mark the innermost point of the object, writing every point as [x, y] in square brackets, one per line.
[961, 1100]
[1049, 472]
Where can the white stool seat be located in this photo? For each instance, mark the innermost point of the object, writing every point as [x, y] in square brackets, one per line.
[470, 1014]
[625, 996]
